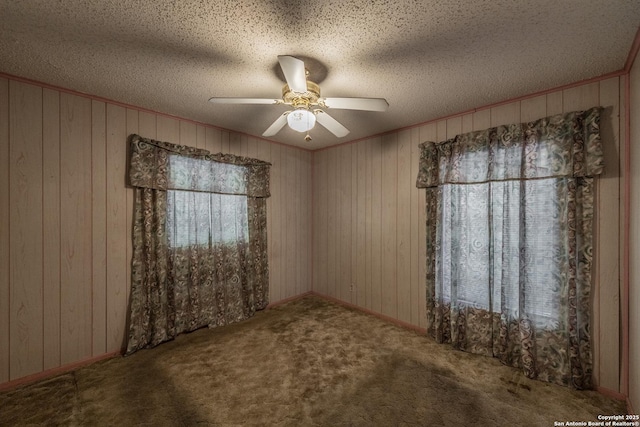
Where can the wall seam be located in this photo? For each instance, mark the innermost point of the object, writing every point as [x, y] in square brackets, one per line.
[106, 229]
[43, 179]
[91, 228]
[60, 227]
[10, 265]
[9, 229]
[626, 260]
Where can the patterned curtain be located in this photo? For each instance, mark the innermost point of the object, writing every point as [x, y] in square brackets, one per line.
[509, 243]
[199, 240]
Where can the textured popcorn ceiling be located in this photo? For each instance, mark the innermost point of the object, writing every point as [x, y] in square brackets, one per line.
[427, 58]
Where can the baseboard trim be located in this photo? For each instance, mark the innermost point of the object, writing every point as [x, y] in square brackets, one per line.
[72, 366]
[610, 393]
[56, 371]
[389, 319]
[289, 299]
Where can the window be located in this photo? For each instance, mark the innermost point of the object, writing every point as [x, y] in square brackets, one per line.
[481, 229]
[205, 219]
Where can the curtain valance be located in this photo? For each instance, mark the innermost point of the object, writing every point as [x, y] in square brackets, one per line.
[561, 145]
[215, 173]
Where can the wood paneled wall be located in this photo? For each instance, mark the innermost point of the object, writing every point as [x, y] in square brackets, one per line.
[66, 217]
[369, 227]
[634, 240]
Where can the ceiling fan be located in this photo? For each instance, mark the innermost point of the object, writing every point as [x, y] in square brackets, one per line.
[307, 105]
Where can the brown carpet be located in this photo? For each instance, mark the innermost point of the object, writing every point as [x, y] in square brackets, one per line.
[309, 362]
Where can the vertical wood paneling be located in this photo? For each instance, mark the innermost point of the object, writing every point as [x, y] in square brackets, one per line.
[427, 133]
[344, 223]
[554, 103]
[167, 129]
[252, 151]
[201, 137]
[533, 108]
[235, 144]
[292, 207]
[5, 166]
[467, 123]
[116, 224]
[394, 263]
[368, 214]
[188, 135]
[368, 219]
[633, 177]
[389, 224]
[454, 127]
[361, 224]
[147, 126]
[317, 215]
[289, 203]
[275, 241]
[25, 238]
[324, 208]
[321, 216]
[376, 224]
[441, 128]
[305, 222]
[482, 119]
[224, 142]
[354, 225]
[214, 140]
[51, 227]
[66, 221]
[299, 259]
[75, 227]
[307, 226]
[311, 214]
[244, 145]
[99, 225]
[332, 222]
[505, 114]
[264, 153]
[403, 240]
[414, 227]
[422, 256]
[333, 218]
[624, 243]
[580, 97]
[263, 149]
[606, 235]
[133, 127]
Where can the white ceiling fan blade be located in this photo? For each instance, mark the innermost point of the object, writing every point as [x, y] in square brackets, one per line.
[366, 104]
[277, 125]
[216, 100]
[294, 73]
[331, 124]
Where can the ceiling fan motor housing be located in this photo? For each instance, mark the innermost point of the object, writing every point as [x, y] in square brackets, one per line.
[302, 99]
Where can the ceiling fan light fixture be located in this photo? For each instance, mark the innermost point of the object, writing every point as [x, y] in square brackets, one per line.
[301, 120]
[303, 97]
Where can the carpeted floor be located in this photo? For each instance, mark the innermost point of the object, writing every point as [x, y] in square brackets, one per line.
[306, 363]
